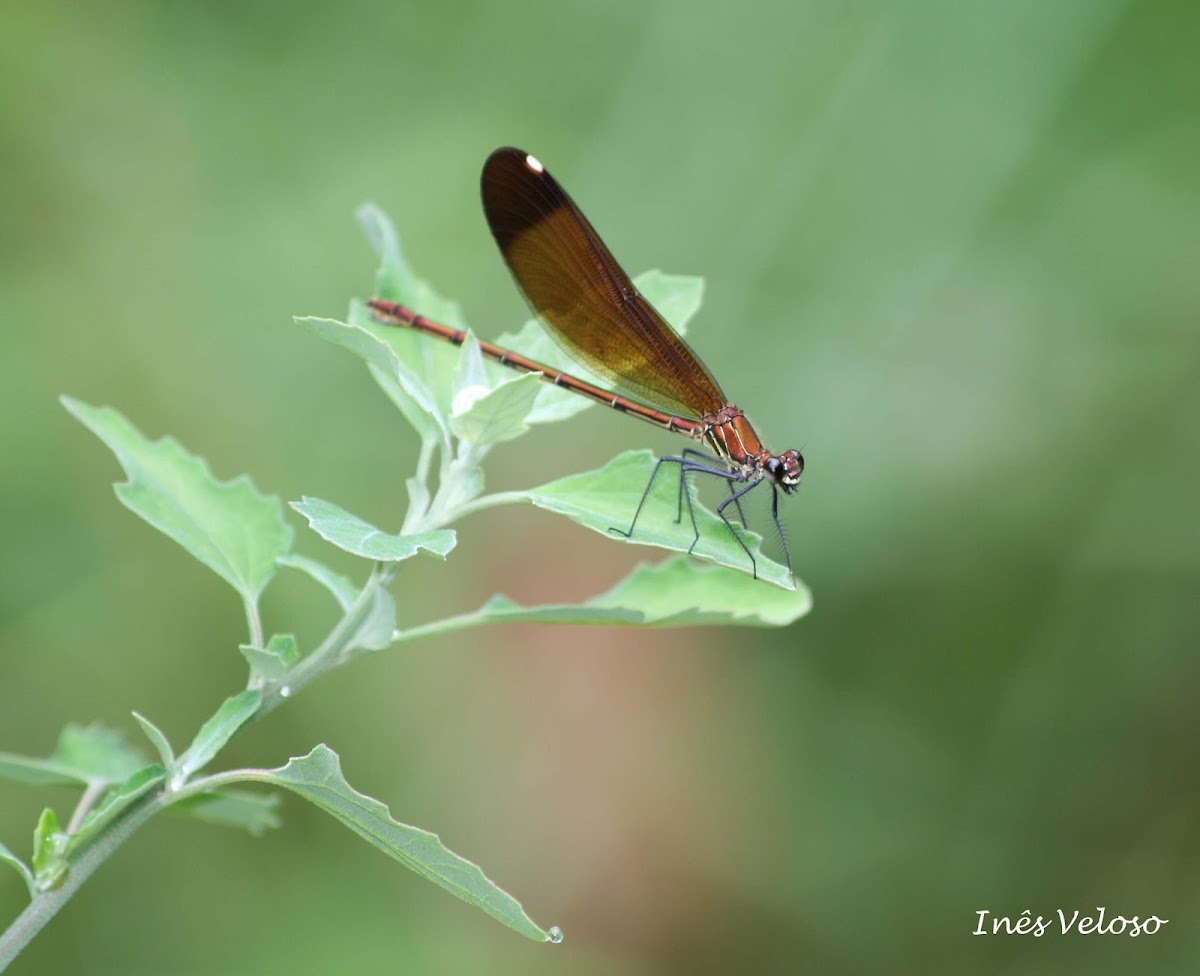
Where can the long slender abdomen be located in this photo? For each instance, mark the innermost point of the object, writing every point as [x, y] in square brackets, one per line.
[392, 313]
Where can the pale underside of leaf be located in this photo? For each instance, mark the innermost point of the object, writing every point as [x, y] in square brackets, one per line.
[406, 387]
[679, 592]
[84, 755]
[21, 867]
[349, 532]
[229, 526]
[252, 812]
[233, 713]
[318, 778]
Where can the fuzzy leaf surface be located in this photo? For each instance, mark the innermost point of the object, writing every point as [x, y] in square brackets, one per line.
[231, 527]
[334, 524]
[83, 755]
[318, 778]
[234, 712]
[679, 592]
[254, 813]
[20, 866]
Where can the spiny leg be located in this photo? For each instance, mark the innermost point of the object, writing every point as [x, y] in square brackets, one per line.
[679, 499]
[691, 509]
[705, 466]
[711, 466]
[709, 460]
[733, 500]
[646, 494]
[787, 550]
[685, 492]
[732, 478]
[686, 464]
[691, 456]
[707, 463]
[733, 497]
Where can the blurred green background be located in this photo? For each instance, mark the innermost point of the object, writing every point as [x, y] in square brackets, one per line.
[951, 252]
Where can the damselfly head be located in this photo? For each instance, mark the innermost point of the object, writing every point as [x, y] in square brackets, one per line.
[785, 469]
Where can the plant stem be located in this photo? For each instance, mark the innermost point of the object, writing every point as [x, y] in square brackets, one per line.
[254, 622]
[333, 650]
[92, 793]
[493, 500]
[424, 459]
[45, 904]
[443, 626]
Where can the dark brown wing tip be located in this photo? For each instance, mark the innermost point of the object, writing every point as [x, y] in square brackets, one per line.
[517, 193]
[505, 152]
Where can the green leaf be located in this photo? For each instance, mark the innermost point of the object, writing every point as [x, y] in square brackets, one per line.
[97, 753]
[471, 372]
[418, 495]
[21, 867]
[502, 610]
[677, 593]
[219, 729]
[493, 416]
[161, 743]
[462, 480]
[230, 527]
[396, 280]
[49, 852]
[677, 298]
[378, 629]
[342, 589]
[37, 772]
[349, 532]
[552, 403]
[82, 756]
[252, 812]
[115, 802]
[318, 778]
[608, 497]
[683, 593]
[488, 409]
[404, 386]
[272, 662]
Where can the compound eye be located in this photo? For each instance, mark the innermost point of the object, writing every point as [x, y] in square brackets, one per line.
[793, 464]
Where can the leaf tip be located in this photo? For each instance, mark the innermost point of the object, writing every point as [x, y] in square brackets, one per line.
[78, 409]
